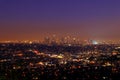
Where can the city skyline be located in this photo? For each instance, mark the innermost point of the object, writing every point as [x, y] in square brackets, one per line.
[34, 20]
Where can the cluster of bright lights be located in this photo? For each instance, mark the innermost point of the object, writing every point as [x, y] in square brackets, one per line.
[94, 42]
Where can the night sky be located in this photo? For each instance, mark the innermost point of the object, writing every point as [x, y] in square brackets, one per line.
[35, 19]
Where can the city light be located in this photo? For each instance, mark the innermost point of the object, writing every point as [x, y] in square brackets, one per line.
[59, 40]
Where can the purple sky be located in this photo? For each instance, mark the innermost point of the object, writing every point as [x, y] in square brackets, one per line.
[33, 19]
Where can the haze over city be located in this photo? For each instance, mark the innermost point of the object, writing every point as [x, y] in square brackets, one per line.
[35, 19]
[59, 40]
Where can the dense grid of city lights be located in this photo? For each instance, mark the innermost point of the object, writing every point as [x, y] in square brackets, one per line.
[59, 40]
